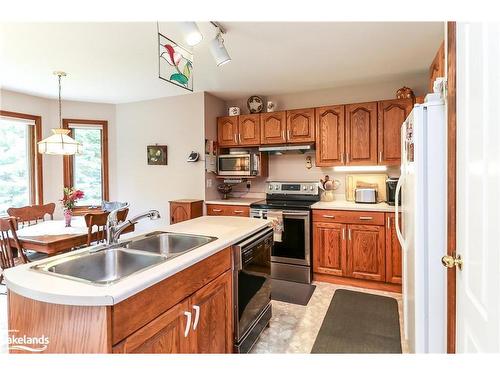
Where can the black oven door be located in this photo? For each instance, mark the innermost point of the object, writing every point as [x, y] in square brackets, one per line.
[294, 247]
[253, 282]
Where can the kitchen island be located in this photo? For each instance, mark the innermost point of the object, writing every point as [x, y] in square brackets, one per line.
[183, 305]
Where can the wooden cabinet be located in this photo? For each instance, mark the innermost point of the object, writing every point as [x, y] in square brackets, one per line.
[393, 254]
[391, 115]
[437, 68]
[330, 129]
[227, 210]
[361, 133]
[329, 248]
[249, 130]
[185, 209]
[211, 330]
[227, 131]
[300, 126]
[273, 128]
[365, 252]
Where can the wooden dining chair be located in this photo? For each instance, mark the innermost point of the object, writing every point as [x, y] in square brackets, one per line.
[98, 220]
[30, 215]
[8, 254]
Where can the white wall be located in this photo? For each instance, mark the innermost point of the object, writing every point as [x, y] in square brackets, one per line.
[48, 109]
[177, 122]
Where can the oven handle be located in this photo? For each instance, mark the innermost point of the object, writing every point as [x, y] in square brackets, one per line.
[300, 214]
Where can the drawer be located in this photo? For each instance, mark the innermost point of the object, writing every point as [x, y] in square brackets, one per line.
[216, 210]
[349, 217]
[227, 210]
[238, 211]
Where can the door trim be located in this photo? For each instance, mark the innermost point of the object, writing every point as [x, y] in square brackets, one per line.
[452, 177]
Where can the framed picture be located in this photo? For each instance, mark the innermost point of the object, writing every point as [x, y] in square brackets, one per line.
[175, 63]
[157, 155]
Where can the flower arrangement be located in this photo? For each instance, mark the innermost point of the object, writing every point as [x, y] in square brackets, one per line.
[71, 195]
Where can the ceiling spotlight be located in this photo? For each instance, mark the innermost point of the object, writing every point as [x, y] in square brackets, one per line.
[192, 33]
[218, 49]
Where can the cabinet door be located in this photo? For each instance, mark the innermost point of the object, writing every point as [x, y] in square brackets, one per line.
[391, 115]
[393, 255]
[330, 128]
[436, 69]
[249, 130]
[163, 335]
[366, 252]
[216, 210]
[227, 131]
[300, 125]
[361, 133]
[273, 127]
[329, 249]
[178, 213]
[213, 317]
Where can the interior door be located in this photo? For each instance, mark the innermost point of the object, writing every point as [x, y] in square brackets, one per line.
[478, 187]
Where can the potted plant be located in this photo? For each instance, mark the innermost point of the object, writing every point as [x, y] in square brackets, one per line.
[71, 195]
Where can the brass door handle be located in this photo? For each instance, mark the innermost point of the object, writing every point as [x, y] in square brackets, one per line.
[449, 261]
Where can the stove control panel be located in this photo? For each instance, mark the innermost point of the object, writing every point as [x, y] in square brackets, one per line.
[292, 188]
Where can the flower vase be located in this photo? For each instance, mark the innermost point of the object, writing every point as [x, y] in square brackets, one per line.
[68, 214]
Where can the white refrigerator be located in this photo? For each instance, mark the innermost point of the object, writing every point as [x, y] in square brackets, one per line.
[421, 230]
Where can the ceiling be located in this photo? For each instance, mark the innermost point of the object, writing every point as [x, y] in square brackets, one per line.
[117, 62]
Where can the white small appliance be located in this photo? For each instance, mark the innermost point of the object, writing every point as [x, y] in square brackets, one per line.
[422, 227]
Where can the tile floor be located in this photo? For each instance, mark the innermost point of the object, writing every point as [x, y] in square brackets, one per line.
[294, 328]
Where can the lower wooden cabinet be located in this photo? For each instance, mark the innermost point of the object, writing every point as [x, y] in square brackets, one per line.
[227, 210]
[355, 245]
[393, 252]
[185, 209]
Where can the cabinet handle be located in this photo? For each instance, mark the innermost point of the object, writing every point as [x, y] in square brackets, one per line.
[380, 156]
[238, 211]
[365, 218]
[329, 216]
[347, 157]
[216, 210]
[342, 158]
[188, 323]
[283, 134]
[388, 222]
[288, 134]
[196, 308]
[350, 234]
[239, 137]
[343, 234]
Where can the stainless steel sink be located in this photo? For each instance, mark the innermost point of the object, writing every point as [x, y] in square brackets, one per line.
[101, 267]
[169, 244]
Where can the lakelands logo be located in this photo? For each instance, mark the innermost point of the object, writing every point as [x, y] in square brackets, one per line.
[27, 343]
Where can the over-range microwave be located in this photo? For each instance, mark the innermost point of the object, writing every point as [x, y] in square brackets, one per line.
[244, 164]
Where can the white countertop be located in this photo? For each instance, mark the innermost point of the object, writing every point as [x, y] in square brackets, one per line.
[235, 201]
[52, 289]
[352, 206]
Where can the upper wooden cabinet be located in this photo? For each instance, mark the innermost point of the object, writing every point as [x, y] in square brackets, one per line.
[393, 255]
[330, 129]
[437, 68]
[227, 131]
[391, 115]
[249, 130]
[300, 125]
[361, 133]
[273, 128]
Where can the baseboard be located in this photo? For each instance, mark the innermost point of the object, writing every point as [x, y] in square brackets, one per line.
[386, 287]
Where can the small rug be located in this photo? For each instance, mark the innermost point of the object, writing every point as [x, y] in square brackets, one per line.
[359, 323]
[291, 292]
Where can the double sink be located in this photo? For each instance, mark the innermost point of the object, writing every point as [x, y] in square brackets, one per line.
[104, 265]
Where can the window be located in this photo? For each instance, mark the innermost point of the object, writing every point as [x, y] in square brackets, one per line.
[88, 171]
[20, 164]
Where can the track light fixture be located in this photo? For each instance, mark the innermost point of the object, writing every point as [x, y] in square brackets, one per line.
[217, 47]
[192, 33]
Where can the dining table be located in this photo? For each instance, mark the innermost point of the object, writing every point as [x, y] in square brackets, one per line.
[53, 237]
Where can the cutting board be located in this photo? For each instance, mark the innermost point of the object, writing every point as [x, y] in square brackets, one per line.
[351, 181]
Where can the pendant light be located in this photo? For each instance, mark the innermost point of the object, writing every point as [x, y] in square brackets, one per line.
[217, 47]
[60, 143]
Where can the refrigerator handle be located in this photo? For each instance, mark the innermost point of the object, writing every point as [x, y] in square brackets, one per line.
[396, 205]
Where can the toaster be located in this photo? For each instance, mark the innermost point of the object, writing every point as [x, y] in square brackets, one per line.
[365, 195]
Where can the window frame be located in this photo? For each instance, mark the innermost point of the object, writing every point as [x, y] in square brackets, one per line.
[68, 160]
[36, 159]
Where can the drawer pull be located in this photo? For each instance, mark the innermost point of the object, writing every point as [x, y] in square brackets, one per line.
[343, 234]
[365, 218]
[238, 211]
[388, 222]
[216, 210]
[329, 216]
[188, 323]
[196, 308]
[350, 238]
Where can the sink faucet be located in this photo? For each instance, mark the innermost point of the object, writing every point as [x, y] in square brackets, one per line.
[114, 229]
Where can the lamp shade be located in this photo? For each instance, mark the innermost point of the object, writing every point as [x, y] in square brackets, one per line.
[219, 51]
[192, 33]
[60, 143]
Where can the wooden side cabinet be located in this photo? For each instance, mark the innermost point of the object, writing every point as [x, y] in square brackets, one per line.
[185, 209]
[273, 128]
[330, 129]
[227, 131]
[361, 133]
[393, 253]
[300, 126]
[391, 115]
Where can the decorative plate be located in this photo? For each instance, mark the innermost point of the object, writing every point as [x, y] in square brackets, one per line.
[255, 104]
